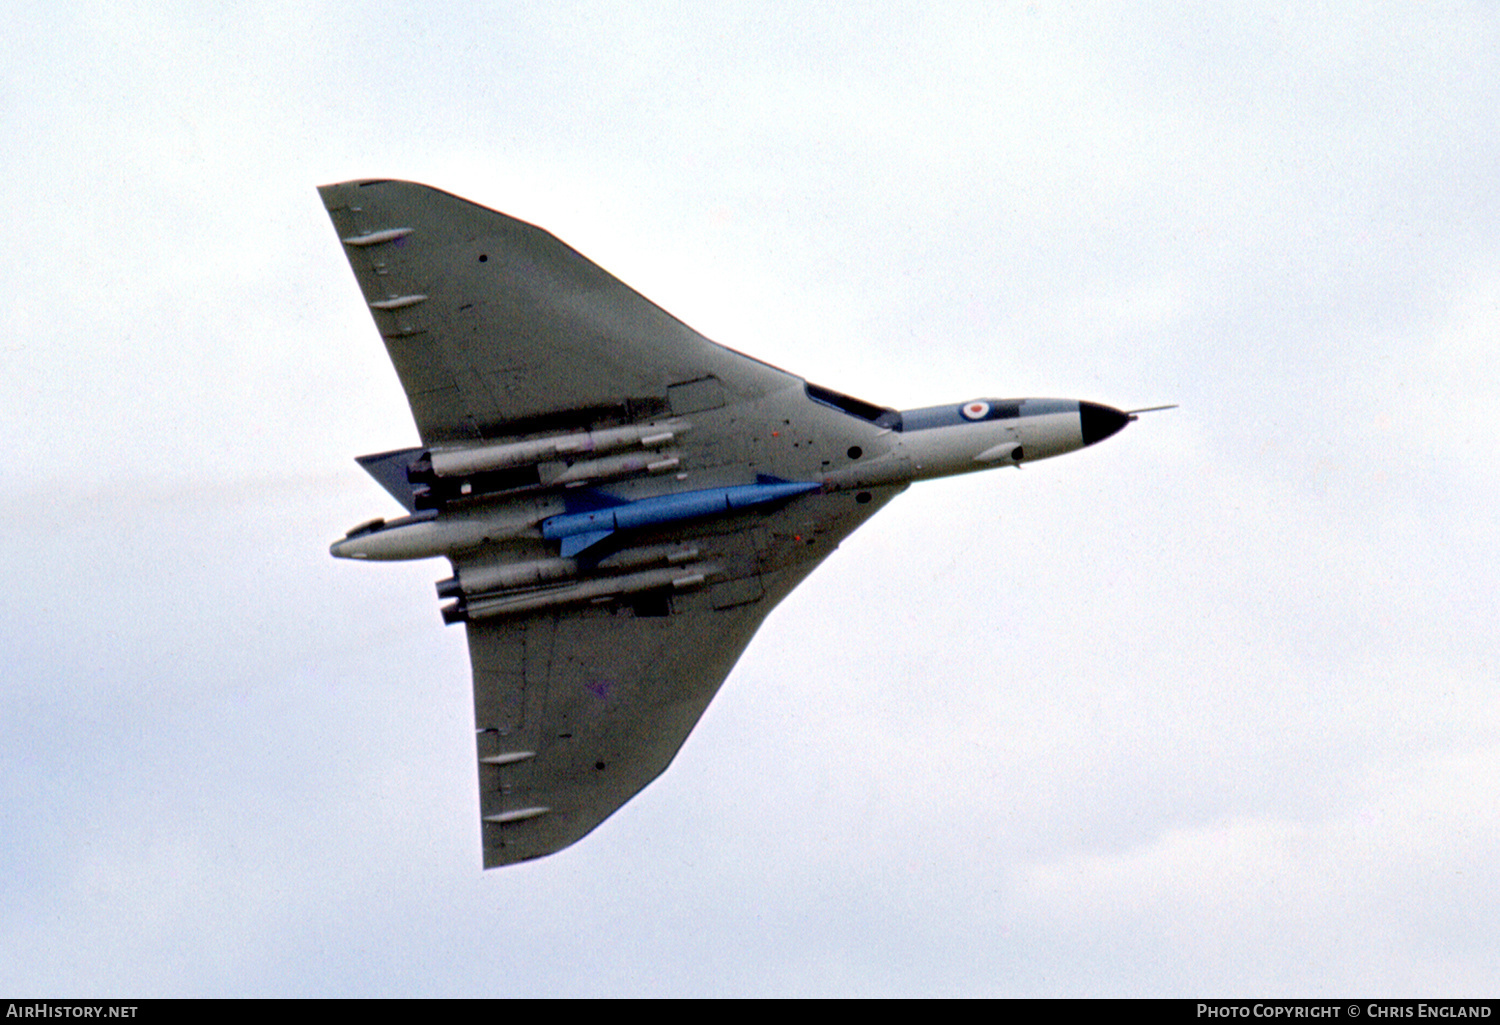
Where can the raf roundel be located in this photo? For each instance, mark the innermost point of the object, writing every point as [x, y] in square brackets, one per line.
[976, 410]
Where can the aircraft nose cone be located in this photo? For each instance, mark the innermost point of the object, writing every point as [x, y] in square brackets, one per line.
[1099, 422]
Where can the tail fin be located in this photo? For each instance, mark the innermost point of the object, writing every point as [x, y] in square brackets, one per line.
[389, 470]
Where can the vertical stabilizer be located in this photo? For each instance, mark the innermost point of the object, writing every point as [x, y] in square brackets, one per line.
[389, 470]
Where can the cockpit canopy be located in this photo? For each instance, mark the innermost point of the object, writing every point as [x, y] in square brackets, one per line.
[880, 416]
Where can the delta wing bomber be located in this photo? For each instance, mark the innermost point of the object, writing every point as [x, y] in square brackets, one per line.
[622, 500]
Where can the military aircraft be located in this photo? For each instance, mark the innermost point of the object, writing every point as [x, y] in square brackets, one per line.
[622, 500]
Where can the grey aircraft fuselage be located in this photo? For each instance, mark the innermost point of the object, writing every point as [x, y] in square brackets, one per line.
[913, 445]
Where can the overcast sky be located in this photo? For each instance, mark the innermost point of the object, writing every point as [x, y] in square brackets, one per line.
[1210, 708]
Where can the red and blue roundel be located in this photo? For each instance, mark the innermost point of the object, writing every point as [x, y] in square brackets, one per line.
[976, 410]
